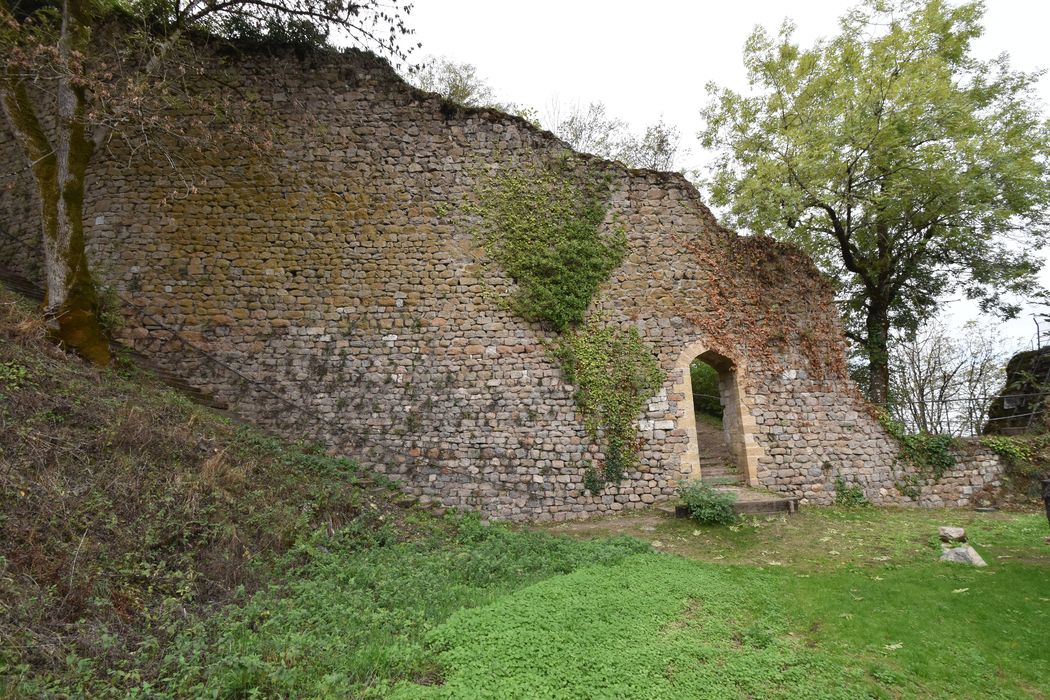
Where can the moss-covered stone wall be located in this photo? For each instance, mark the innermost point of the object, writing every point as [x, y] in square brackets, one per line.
[330, 283]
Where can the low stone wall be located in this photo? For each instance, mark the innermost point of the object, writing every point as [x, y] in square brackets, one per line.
[816, 432]
[332, 287]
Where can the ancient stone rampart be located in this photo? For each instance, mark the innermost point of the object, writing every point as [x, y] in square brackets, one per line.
[329, 284]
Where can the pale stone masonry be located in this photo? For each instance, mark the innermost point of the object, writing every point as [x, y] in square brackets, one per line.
[331, 287]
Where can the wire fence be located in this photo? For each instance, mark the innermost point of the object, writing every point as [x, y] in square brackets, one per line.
[970, 416]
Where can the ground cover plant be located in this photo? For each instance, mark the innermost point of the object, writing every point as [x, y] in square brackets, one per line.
[834, 602]
[354, 618]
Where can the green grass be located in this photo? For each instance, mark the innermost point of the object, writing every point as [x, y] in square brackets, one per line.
[658, 626]
[468, 611]
[355, 615]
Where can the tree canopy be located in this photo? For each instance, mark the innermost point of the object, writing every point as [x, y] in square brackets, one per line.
[905, 166]
[592, 130]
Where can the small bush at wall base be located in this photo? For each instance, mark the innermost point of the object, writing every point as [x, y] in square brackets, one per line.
[849, 495]
[910, 487]
[707, 505]
[592, 480]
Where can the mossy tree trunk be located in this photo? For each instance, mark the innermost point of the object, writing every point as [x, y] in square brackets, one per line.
[59, 163]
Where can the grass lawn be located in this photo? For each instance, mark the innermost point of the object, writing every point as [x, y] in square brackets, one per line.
[828, 604]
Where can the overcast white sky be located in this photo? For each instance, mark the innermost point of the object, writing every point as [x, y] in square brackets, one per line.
[647, 60]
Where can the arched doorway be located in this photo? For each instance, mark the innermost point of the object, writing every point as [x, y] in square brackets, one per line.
[713, 398]
[722, 448]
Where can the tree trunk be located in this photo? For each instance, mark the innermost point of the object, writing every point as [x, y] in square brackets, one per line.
[72, 300]
[71, 305]
[59, 164]
[878, 331]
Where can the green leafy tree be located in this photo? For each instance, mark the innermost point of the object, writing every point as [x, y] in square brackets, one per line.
[73, 73]
[906, 167]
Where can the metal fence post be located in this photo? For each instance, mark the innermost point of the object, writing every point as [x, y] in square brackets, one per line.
[1046, 498]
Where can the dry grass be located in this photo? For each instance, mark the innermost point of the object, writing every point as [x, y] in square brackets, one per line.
[126, 511]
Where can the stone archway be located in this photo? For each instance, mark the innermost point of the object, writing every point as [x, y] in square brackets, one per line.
[739, 425]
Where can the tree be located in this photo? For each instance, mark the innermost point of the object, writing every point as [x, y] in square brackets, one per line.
[591, 130]
[458, 82]
[907, 168]
[72, 72]
[941, 382]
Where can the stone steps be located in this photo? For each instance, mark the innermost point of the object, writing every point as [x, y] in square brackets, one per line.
[726, 478]
[716, 462]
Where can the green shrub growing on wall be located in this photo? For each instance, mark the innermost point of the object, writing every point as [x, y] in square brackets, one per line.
[615, 374]
[929, 453]
[542, 226]
[849, 495]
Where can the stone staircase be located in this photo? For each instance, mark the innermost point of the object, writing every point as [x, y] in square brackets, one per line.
[716, 463]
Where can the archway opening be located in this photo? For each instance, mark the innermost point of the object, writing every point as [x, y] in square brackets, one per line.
[719, 439]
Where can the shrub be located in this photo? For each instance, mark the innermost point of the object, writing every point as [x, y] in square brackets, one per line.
[707, 505]
[849, 495]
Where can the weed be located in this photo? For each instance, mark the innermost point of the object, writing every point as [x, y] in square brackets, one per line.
[849, 495]
[707, 505]
[13, 375]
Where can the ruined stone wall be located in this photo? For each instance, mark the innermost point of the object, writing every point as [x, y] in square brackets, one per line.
[328, 283]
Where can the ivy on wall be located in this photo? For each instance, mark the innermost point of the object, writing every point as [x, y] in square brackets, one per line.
[543, 226]
[616, 374]
[930, 454]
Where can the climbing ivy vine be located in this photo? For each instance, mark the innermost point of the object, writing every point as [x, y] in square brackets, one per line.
[543, 226]
[931, 454]
[616, 374]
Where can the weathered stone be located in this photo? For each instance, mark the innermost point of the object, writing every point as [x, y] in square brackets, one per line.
[336, 290]
[952, 534]
[963, 555]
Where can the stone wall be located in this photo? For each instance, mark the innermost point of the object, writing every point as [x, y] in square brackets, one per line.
[328, 284]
